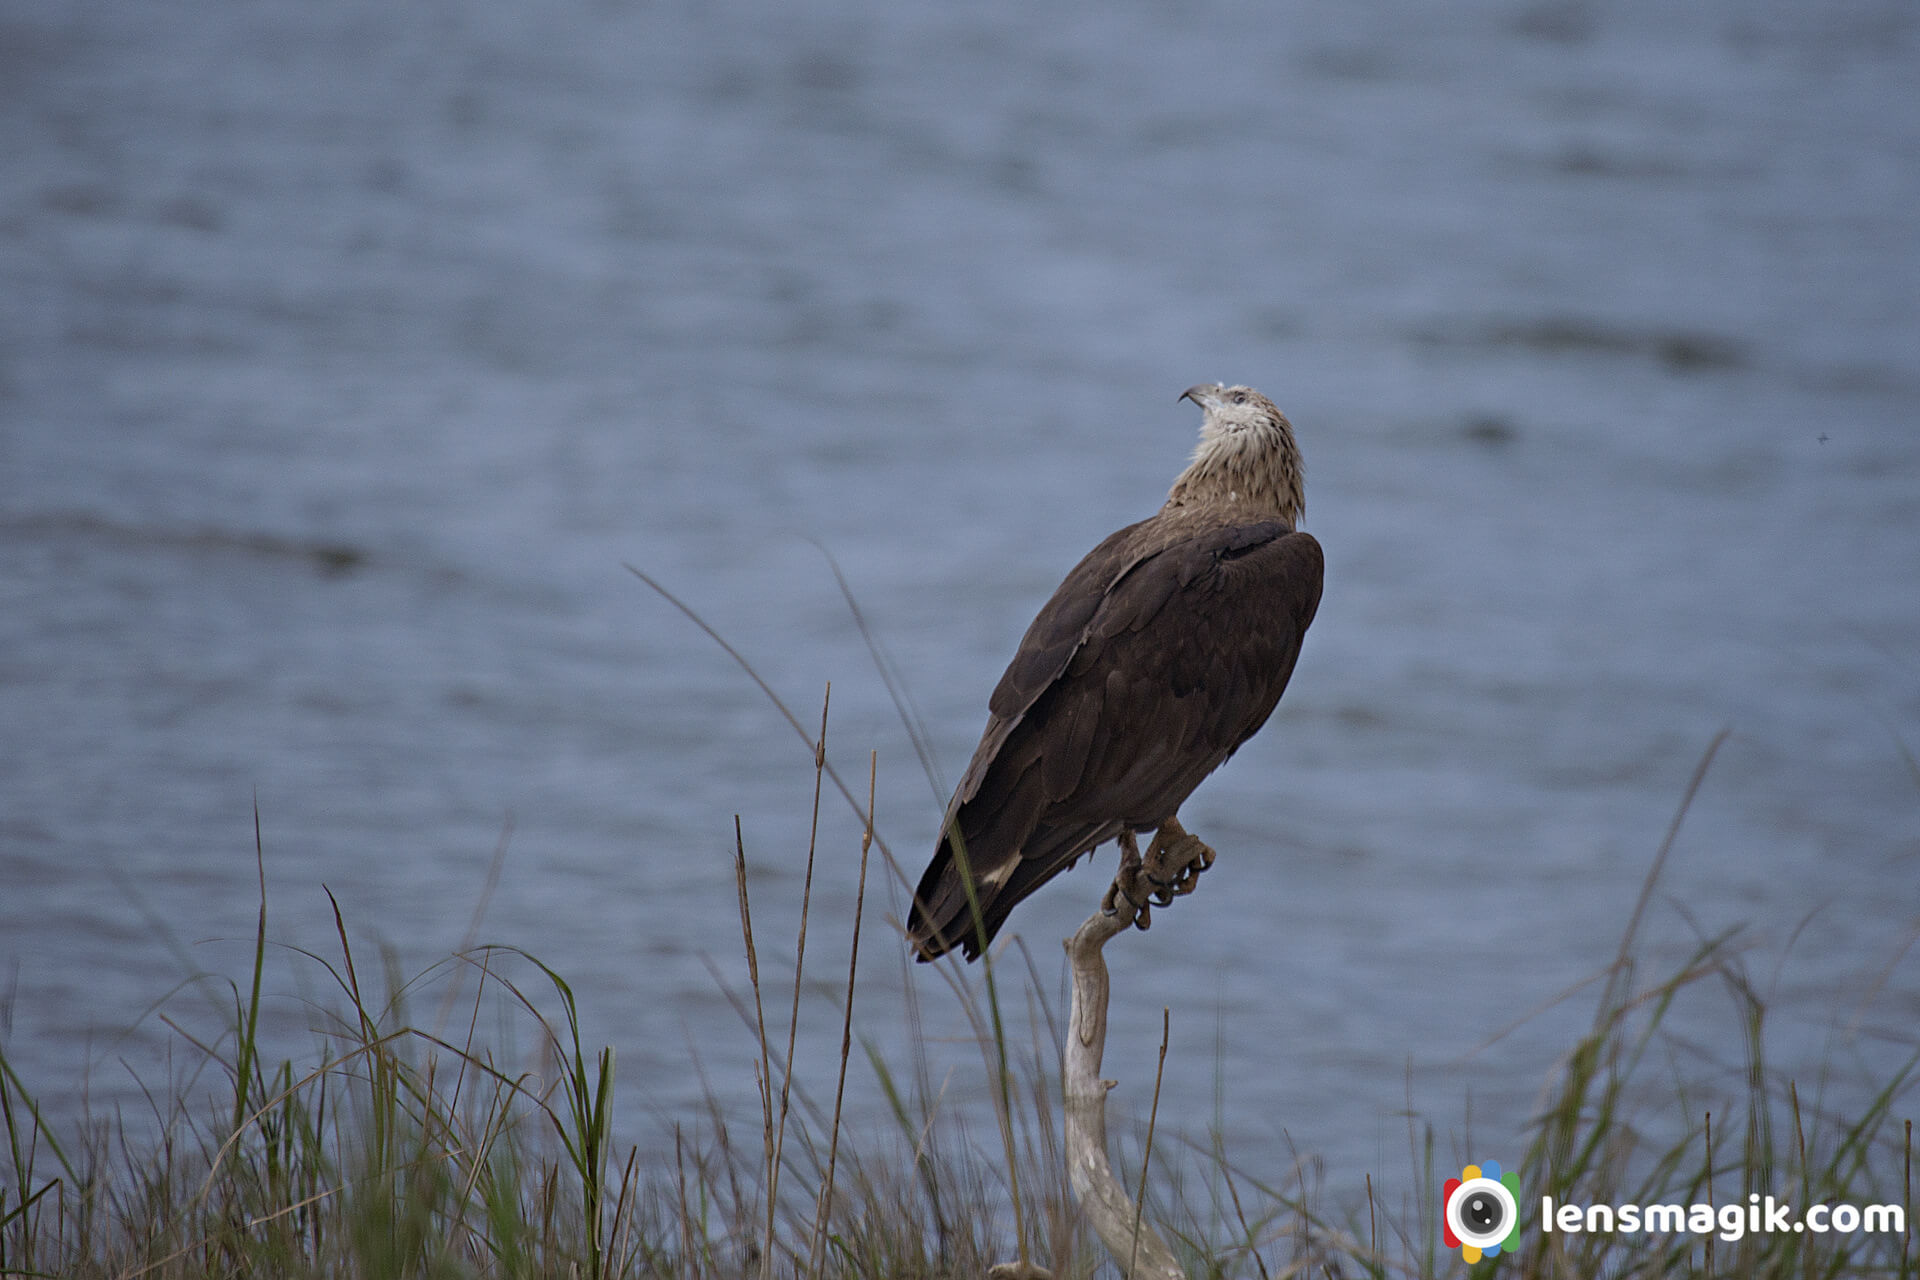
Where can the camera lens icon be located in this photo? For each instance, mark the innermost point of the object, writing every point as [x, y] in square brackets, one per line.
[1482, 1211]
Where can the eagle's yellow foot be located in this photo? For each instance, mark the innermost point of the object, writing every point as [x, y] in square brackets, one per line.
[1128, 894]
[1174, 861]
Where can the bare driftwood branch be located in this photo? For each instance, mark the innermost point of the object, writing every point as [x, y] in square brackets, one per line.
[1107, 1204]
[1170, 869]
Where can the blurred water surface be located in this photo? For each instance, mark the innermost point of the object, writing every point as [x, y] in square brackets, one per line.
[347, 351]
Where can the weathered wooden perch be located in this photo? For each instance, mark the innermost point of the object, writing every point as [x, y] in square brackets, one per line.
[1109, 1207]
[1170, 869]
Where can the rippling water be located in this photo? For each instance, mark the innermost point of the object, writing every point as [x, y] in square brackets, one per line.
[347, 351]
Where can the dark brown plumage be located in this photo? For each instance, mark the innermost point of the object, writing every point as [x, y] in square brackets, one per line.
[1165, 648]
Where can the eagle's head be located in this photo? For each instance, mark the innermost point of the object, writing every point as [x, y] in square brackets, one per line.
[1246, 456]
[1232, 408]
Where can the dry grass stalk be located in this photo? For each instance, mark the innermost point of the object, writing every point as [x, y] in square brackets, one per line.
[763, 1067]
[846, 1023]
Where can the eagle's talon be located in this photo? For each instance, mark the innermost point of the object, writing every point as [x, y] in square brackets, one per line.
[1173, 862]
[1126, 883]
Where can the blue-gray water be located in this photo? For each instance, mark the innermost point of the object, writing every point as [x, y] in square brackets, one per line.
[347, 350]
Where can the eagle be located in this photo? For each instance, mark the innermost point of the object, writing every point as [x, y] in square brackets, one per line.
[1163, 650]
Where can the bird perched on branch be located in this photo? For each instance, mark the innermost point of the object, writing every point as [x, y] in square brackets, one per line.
[1165, 648]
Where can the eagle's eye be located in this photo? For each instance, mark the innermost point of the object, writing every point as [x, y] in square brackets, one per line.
[1237, 396]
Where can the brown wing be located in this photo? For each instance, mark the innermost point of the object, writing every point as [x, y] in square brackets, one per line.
[1138, 679]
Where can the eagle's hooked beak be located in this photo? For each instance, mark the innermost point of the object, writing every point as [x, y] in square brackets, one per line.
[1204, 394]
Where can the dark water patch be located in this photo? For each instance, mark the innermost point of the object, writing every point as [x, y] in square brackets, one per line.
[824, 71]
[1555, 23]
[1827, 32]
[1360, 63]
[1357, 716]
[25, 832]
[1015, 173]
[190, 212]
[1862, 379]
[1490, 430]
[129, 288]
[80, 200]
[1564, 335]
[1586, 160]
[1685, 352]
[147, 339]
[31, 52]
[329, 559]
[1678, 351]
